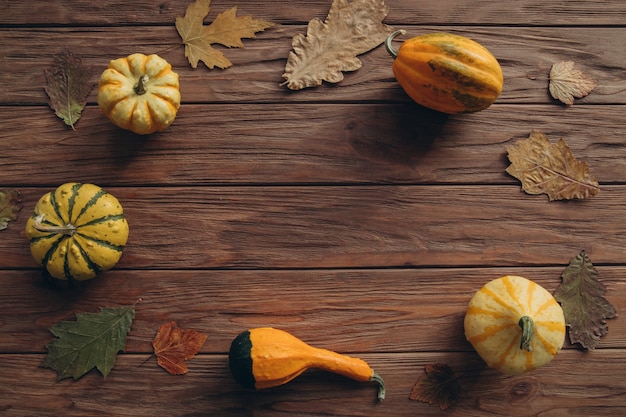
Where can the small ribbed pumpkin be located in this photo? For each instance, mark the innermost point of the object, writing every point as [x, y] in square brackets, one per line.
[446, 72]
[77, 231]
[515, 325]
[139, 93]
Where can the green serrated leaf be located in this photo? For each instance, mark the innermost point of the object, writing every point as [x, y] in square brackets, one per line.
[92, 341]
[10, 206]
[581, 296]
[68, 83]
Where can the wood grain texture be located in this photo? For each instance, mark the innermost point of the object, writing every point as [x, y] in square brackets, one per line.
[345, 214]
[208, 389]
[526, 55]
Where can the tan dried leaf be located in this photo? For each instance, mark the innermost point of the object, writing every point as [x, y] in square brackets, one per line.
[567, 83]
[548, 168]
[227, 29]
[330, 47]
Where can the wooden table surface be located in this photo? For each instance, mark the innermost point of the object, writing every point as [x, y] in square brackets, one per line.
[345, 214]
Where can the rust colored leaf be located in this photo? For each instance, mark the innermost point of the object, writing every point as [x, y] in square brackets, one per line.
[227, 29]
[548, 168]
[330, 47]
[68, 83]
[581, 296]
[567, 83]
[173, 346]
[10, 206]
[438, 385]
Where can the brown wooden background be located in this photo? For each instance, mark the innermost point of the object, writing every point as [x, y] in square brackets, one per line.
[344, 214]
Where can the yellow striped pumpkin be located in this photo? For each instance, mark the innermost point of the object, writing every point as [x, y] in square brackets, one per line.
[446, 72]
[515, 325]
[77, 231]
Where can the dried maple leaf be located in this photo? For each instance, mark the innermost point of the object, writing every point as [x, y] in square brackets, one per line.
[173, 346]
[332, 46]
[567, 83]
[92, 341]
[548, 168]
[581, 296]
[438, 385]
[227, 29]
[10, 206]
[68, 83]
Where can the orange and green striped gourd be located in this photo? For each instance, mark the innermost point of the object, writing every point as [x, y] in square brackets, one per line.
[266, 357]
[77, 231]
[515, 325]
[446, 72]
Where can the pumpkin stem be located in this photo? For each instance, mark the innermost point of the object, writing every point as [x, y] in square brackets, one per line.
[526, 323]
[381, 386]
[68, 229]
[390, 49]
[140, 87]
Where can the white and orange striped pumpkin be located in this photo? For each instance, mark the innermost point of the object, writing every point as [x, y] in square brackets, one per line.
[77, 231]
[515, 325]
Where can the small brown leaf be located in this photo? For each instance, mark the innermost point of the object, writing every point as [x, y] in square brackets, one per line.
[227, 29]
[567, 83]
[437, 385]
[10, 206]
[173, 346]
[548, 168]
[330, 47]
[581, 296]
[68, 83]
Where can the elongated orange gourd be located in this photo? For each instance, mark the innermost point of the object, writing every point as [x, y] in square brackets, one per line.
[515, 325]
[446, 72]
[266, 357]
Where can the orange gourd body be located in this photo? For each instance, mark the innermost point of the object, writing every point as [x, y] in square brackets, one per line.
[446, 72]
[515, 325]
[139, 93]
[266, 357]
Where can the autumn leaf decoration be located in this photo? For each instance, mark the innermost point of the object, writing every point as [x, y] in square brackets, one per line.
[227, 29]
[438, 385]
[568, 83]
[330, 47]
[92, 341]
[173, 346]
[10, 206]
[548, 168]
[585, 308]
[68, 83]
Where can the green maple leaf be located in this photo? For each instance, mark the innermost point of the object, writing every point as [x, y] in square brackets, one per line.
[92, 341]
[581, 296]
[10, 206]
[68, 83]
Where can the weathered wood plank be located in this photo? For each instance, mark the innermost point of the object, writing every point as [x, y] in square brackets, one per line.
[343, 227]
[462, 12]
[302, 144]
[138, 387]
[526, 55]
[403, 310]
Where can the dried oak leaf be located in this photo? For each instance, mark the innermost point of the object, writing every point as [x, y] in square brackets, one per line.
[567, 83]
[92, 341]
[548, 168]
[173, 346]
[438, 385]
[332, 46]
[10, 206]
[581, 296]
[227, 29]
[68, 83]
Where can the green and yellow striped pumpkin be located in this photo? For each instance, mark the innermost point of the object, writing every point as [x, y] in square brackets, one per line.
[515, 325]
[77, 231]
[446, 72]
